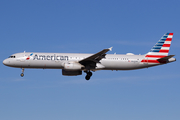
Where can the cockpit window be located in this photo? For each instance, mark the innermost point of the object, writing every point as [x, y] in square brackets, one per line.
[12, 56]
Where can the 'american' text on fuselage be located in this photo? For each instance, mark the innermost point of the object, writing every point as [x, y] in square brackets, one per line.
[50, 57]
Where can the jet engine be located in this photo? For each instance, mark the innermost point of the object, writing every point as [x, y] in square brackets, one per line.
[71, 66]
[71, 73]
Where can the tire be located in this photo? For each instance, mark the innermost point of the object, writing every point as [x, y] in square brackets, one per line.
[89, 74]
[22, 74]
[87, 77]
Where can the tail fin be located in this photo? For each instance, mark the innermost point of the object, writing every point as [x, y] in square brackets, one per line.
[162, 47]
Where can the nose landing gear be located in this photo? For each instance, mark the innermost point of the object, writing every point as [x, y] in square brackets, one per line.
[88, 76]
[22, 74]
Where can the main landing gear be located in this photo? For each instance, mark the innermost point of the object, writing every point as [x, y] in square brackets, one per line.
[22, 74]
[89, 74]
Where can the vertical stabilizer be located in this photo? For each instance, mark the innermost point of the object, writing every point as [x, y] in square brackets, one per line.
[162, 46]
[160, 49]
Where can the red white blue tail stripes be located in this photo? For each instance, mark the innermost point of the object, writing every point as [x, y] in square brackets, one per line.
[160, 49]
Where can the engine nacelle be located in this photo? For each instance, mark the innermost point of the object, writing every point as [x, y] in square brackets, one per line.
[71, 73]
[73, 66]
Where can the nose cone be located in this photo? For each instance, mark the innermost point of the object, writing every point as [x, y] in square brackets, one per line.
[6, 62]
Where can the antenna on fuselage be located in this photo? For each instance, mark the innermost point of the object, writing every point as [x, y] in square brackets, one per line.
[24, 53]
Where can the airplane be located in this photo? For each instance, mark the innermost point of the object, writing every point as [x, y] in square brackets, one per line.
[72, 64]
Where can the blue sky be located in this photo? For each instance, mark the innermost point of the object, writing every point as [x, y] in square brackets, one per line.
[88, 26]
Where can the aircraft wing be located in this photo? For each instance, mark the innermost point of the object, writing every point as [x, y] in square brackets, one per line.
[95, 58]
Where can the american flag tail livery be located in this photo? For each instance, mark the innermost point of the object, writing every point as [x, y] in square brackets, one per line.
[159, 53]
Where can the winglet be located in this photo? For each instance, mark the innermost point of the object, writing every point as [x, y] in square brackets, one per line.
[110, 48]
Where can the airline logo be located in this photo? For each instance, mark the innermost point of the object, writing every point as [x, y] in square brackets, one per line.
[160, 50]
[29, 56]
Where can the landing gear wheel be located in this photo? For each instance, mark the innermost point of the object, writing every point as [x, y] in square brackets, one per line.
[88, 76]
[22, 74]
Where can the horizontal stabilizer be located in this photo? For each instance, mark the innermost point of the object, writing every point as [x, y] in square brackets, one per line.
[167, 57]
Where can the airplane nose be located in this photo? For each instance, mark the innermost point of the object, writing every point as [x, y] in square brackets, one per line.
[5, 62]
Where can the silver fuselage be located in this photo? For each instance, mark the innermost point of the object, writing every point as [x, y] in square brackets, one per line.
[57, 61]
